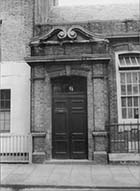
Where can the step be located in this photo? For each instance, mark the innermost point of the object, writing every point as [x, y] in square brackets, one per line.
[125, 158]
[67, 189]
[69, 161]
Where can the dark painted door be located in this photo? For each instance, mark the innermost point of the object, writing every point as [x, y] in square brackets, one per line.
[69, 114]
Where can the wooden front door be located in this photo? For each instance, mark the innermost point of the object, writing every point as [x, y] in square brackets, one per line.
[69, 118]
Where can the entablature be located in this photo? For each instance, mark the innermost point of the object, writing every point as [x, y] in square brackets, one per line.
[33, 60]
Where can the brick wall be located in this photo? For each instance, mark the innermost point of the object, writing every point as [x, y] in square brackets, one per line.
[107, 28]
[17, 28]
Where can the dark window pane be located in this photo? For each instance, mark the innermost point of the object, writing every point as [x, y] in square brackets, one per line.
[129, 89]
[138, 60]
[2, 104]
[129, 112]
[5, 110]
[2, 126]
[136, 101]
[135, 77]
[133, 60]
[123, 90]
[122, 61]
[135, 89]
[136, 113]
[123, 102]
[127, 60]
[129, 78]
[7, 104]
[4, 94]
[129, 101]
[124, 113]
[122, 78]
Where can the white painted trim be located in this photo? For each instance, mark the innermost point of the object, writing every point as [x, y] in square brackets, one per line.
[120, 120]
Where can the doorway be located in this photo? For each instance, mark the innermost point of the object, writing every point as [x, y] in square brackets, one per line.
[69, 118]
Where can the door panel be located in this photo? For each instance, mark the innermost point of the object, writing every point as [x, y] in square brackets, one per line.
[60, 129]
[60, 123]
[78, 149]
[78, 129]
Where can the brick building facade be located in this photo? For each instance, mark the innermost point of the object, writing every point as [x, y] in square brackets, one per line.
[85, 81]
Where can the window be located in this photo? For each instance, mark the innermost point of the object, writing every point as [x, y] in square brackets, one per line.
[5, 110]
[69, 85]
[129, 86]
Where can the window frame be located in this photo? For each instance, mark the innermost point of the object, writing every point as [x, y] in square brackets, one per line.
[119, 70]
[128, 66]
[5, 110]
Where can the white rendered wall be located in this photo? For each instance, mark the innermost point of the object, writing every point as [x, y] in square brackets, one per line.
[16, 76]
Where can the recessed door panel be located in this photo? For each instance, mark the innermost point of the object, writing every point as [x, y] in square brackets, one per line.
[60, 129]
[78, 128]
[78, 150]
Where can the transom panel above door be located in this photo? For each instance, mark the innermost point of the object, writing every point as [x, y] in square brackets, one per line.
[69, 118]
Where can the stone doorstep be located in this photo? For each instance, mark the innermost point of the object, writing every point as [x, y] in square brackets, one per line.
[69, 161]
[124, 157]
[113, 157]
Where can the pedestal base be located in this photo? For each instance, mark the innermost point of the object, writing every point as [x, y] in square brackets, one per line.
[38, 157]
[100, 157]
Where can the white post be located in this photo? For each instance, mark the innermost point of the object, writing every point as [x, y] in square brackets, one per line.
[30, 147]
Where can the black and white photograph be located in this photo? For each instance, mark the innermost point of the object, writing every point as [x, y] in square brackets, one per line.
[69, 95]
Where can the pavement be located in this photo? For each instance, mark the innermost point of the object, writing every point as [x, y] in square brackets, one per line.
[69, 177]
